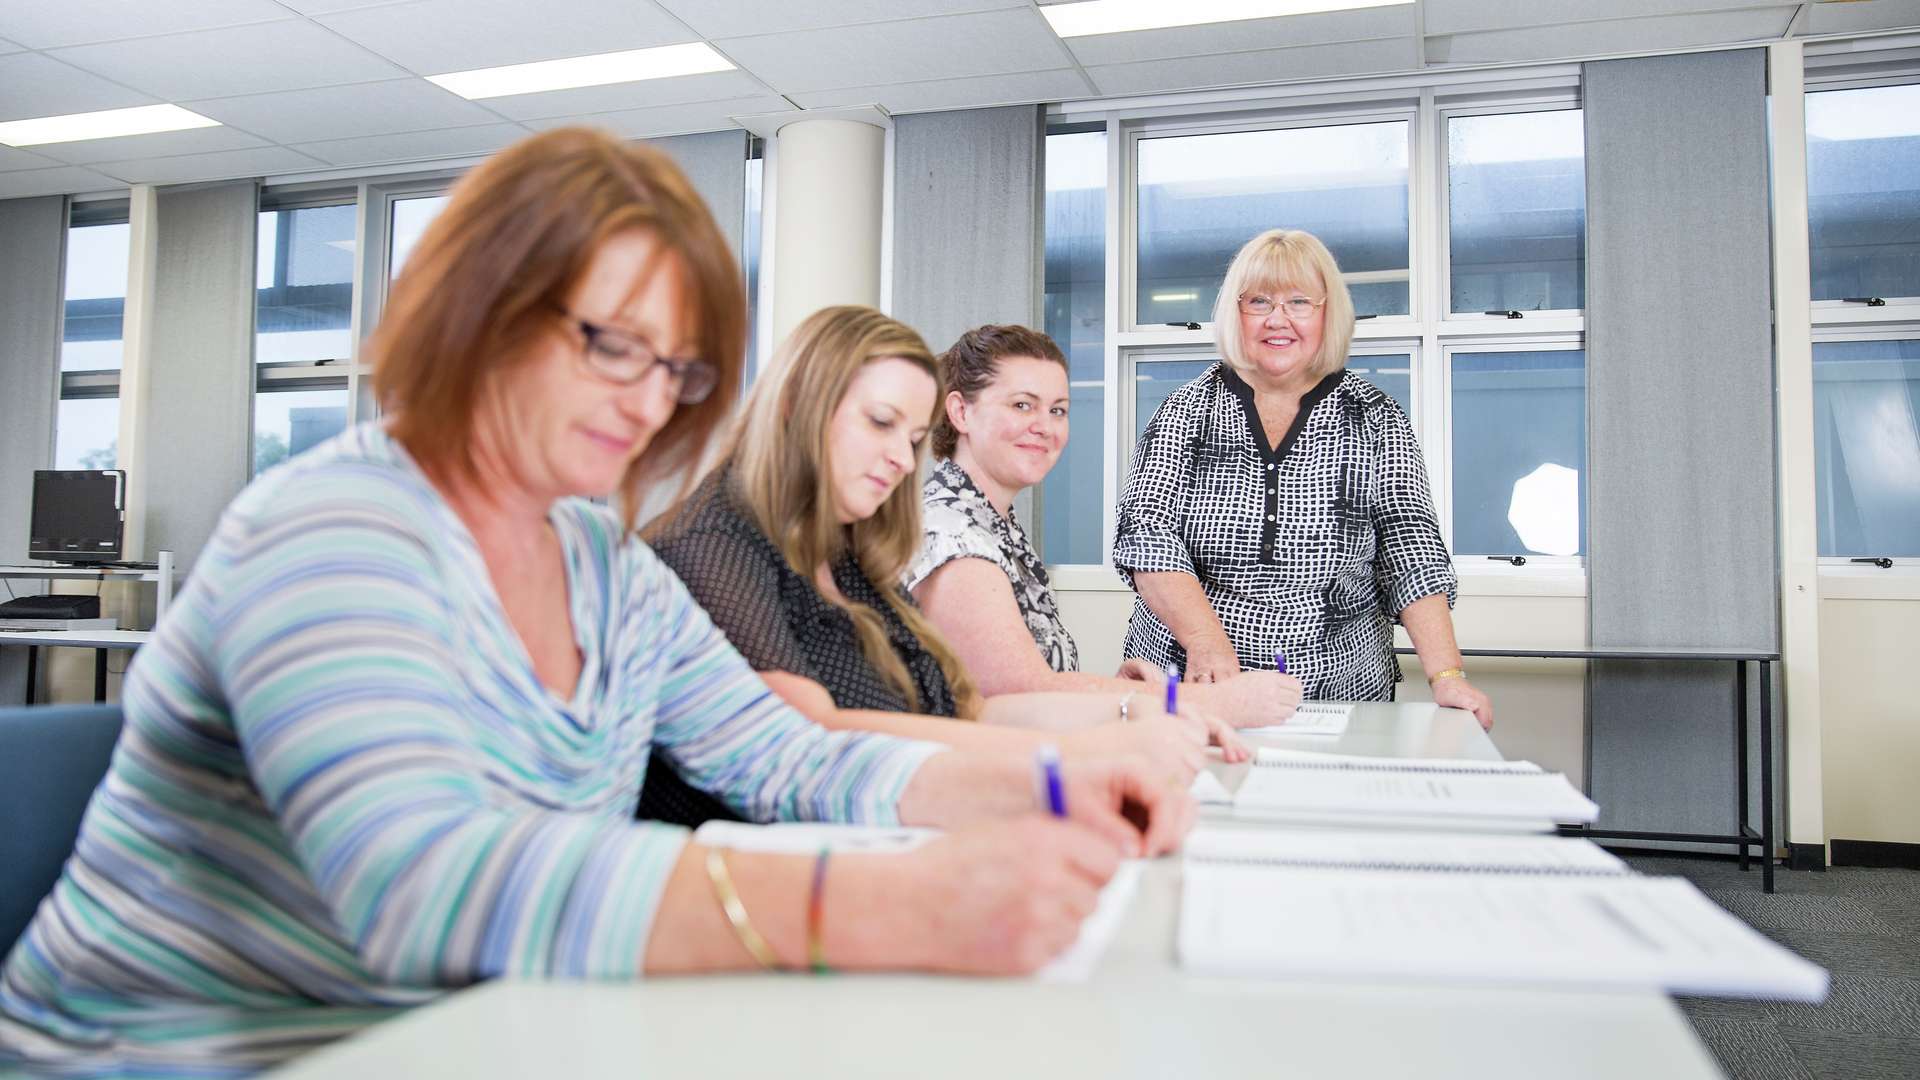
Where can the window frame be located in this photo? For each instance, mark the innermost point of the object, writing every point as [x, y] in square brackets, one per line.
[330, 373]
[90, 384]
[1898, 309]
[1865, 330]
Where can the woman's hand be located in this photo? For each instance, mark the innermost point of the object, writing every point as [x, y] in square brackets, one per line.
[1458, 693]
[998, 899]
[1211, 662]
[1172, 746]
[1253, 698]
[1140, 671]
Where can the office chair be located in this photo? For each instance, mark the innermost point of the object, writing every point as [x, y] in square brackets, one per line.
[51, 759]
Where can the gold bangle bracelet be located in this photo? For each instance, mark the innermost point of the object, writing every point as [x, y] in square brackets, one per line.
[1449, 673]
[729, 898]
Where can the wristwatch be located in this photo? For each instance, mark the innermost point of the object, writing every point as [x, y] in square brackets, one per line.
[1449, 673]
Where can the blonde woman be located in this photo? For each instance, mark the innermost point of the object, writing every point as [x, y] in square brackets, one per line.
[796, 545]
[1278, 504]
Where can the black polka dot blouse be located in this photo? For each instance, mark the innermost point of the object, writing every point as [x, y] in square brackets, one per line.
[1311, 547]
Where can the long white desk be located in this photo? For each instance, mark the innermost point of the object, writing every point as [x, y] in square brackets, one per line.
[101, 641]
[1140, 1015]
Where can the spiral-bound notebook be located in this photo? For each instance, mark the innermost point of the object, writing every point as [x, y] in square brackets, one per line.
[1491, 912]
[1337, 787]
[1311, 718]
[1364, 849]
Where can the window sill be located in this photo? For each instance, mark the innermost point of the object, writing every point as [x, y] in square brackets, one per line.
[1899, 582]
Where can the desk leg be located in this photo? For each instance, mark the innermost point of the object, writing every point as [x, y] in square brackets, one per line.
[33, 670]
[1740, 751]
[99, 675]
[1766, 775]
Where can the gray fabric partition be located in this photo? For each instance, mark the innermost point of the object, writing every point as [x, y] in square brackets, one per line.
[716, 162]
[1680, 420]
[967, 239]
[198, 409]
[32, 234]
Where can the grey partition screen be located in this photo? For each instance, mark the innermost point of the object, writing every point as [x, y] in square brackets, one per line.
[31, 236]
[966, 220]
[1680, 422]
[716, 162]
[198, 410]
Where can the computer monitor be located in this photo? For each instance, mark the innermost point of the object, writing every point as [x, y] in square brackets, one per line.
[77, 515]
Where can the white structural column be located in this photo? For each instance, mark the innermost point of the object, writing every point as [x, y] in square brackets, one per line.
[828, 202]
[1793, 367]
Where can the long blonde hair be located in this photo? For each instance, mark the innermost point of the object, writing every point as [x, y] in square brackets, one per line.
[780, 459]
[1280, 257]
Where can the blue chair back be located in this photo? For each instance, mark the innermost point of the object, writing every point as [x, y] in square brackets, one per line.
[51, 759]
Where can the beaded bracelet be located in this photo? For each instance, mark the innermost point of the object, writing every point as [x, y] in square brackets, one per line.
[723, 889]
[816, 916]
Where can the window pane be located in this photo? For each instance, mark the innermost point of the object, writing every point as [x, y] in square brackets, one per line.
[1203, 196]
[756, 172]
[87, 434]
[1863, 191]
[96, 297]
[1391, 372]
[1519, 453]
[289, 422]
[410, 218]
[1152, 382]
[1517, 210]
[1866, 398]
[1072, 496]
[305, 285]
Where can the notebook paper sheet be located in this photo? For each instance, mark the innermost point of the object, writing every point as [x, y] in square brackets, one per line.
[1366, 849]
[1364, 792]
[1311, 718]
[1622, 930]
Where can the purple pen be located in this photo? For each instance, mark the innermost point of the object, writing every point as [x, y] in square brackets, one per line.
[1173, 689]
[1279, 661]
[1047, 762]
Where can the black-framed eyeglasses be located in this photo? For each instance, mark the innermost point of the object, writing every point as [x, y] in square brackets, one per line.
[1296, 307]
[623, 359]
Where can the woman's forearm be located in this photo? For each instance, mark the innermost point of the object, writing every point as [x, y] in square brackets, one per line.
[1178, 601]
[1430, 625]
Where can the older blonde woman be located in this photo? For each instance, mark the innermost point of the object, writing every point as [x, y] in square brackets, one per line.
[1277, 513]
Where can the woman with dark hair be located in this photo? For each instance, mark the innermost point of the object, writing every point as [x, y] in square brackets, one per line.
[796, 543]
[1001, 428]
[389, 740]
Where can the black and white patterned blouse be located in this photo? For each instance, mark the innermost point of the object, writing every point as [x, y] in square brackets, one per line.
[959, 523]
[1309, 547]
[776, 619]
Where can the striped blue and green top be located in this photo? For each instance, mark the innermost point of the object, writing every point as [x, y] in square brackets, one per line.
[341, 789]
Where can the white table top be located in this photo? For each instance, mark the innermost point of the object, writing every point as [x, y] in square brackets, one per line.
[1140, 1015]
[78, 639]
[78, 573]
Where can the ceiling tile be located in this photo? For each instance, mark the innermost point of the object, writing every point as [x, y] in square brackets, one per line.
[1869, 15]
[874, 54]
[48, 24]
[238, 60]
[328, 7]
[432, 37]
[33, 85]
[1018, 89]
[9, 47]
[722, 18]
[1604, 38]
[1269, 66]
[340, 112]
[414, 145]
[158, 144]
[1244, 36]
[229, 165]
[1465, 16]
[646, 94]
[671, 119]
[66, 180]
[12, 160]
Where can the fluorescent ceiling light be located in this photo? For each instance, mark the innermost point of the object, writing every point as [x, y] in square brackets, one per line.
[110, 124]
[665, 62]
[1120, 16]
